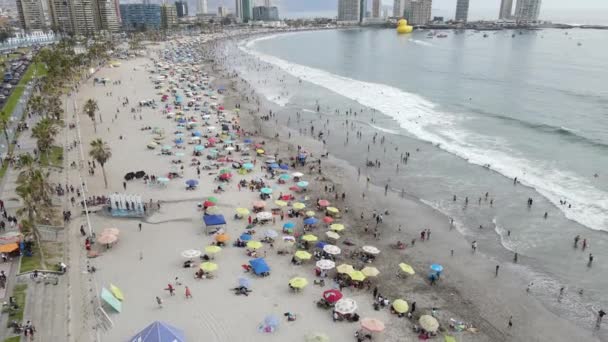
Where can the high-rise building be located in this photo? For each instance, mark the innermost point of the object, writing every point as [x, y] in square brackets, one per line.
[238, 9]
[264, 13]
[61, 16]
[527, 10]
[349, 10]
[246, 8]
[107, 16]
[181, 6]
[398, 8]
[362, 10]
[140, 16]
[462, 11]
[222, 11]
[376, 8]
[31, 14]
[506, 9]
[85, 19]
[267, 3]
[168, 16]
[420, 12]
[117, 6]
[202, 7]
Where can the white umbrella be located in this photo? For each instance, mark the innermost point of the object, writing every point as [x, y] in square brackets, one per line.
[326, 264]
[264, 215]
[229, 148]
[297, 174]
[271, 233]
[332, 235]
[370, 249]
[191, 253]
[346, 306]
[331, 249]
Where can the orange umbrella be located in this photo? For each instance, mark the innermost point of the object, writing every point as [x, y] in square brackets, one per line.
[222, 237]
[107, 238]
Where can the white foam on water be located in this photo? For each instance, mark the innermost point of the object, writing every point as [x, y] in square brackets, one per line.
[385, 130]
[421, 118]
[420, 42]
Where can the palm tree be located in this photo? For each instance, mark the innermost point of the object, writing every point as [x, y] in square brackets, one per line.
[45, 132]
[4, 122]
[90, 108]
[100, 151]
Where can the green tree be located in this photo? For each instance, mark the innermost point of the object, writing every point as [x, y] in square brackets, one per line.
[45, 132]
[90, 108]
[100, 151]
[4, 122]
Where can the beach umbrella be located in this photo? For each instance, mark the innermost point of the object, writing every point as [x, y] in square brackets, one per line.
[370, 271]
[400, 306]
[332, 235]
[273, 166]
[117, 292]
[212, 249]
[332, 210]
[230, 148]
[310, 213]
[309, 238]
[328, 219]
[323, 203]
[271, 321]
[180, 154]
[197, 134]
[289, 225]
[266, 191]
[345, 268]
[407, 269]
[245, 282]
[222, 237]
[302, 184]
[297, 174]
[428, 323]
[337, 227]
[298, 282]
[107, 239]
[209, 266]
[346, 306]
[271, 233]
[264, 215]
[110, 231]
[316, 337]
[212, 199]
[224, 171]
[254, 244]
[247, 166]
[280, 203]
[152, 145]
[199, 148]
[245, 237]
[436, 268]
[179, 141]
[284, 176]
[310, 220]
[163, 179]
[357, 276]
[259, 151]
[248, 141]
[303, 255]
[331, 249]
[191, 253]
[299, 206]
[159, 332]
[259, 204]
[372, 324]
[284, 166]
[226, 176]
[332, 295]
[325, 264]
[191, 182]
[212, 211]
[208, 203]
[242, 211]
[167, 148]
[370, 250]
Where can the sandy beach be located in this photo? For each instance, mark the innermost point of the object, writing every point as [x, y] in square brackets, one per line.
[142, 263]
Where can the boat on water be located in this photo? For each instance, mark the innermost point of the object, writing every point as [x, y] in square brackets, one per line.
[430, 34]
[442, 35]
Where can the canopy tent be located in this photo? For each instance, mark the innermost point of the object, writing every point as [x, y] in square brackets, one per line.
[159, 332]
[109, 298]
[259, 266]
[214, 220]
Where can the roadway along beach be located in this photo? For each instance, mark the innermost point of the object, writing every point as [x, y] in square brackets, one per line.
[142, 263]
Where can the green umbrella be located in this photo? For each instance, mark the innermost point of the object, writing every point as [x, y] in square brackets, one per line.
[212, 199]
[222, 171]
[109, 298]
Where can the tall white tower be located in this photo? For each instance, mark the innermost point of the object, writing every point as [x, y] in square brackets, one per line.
[202, 6]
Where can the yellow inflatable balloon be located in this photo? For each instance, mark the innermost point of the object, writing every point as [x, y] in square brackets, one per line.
[403, 27]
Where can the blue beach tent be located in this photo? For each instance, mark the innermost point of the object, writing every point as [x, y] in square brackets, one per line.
[159, 332]
[259, 266]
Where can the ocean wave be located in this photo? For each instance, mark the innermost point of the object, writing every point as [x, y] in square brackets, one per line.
[421, 118]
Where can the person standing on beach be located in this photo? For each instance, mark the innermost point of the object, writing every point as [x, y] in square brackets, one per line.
[188, 293]
[497, 268]
[515, 257]
[576, 239]
[474, 246]
[159, 302]
[600, 315]
[140, 226]
[590, 260]
[510, 324]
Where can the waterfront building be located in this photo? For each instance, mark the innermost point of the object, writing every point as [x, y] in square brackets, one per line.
[246, 8]
[362, 10]
[462, 11]
[420, 12]
[106, 13]
[31, 15]
[527, 10]
[222, 11]
[168, 16]
[349, 10]
[136, 17]
[376, 8]
[85, 20]
[263, 13]
[181, 6]
[506, 9]
[202, 7]
[238, 10]
[61, 16]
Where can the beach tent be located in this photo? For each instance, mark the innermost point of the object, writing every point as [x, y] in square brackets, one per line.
[109, 298]
[159, 332]
[259, 266]
[213, 220]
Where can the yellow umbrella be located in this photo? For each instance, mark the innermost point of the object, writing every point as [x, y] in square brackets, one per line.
[303, 255]
[212, 249]
[337, 227]
[242, 211]
[370, 271]
[209, 266]
[345, 268]
[280, 203]
[213, 210]
[400, 306]
[298, 282]
[428, 323]
[317, 337]
[405, 268]
[254, 244]
[259, 151]
[117, 292]
[332, 235]
[309, 238]
[333, 210]
[357, 275]
[299, 206]
[310, 213]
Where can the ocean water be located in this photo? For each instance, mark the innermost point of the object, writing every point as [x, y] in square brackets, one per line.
[474, 112]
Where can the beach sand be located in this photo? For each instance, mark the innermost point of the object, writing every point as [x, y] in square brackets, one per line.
[143, 263]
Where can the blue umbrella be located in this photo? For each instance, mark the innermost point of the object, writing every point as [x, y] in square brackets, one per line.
[245, 282]
[274, 165]
[310, 220]
[266, 191]
[284, 167]
[199, 148]
[289, 225]
[302, 184]
[197, 134]
[159, 332]
[245, 237]
[248, 166]
[182, 121]
[179, 141]
[248, 141]
[437, 268]
[321, 244]
[191, 182]
[271, 321]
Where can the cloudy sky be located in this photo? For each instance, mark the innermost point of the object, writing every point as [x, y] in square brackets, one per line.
[582, 11]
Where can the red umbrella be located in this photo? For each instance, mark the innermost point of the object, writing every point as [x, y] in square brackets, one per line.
[208, 204]
[294, 188]
[286, 197]
[225, 176]
[328, 219]
[211, 140]
[324, 203]
[332, 295]
[221, 108]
